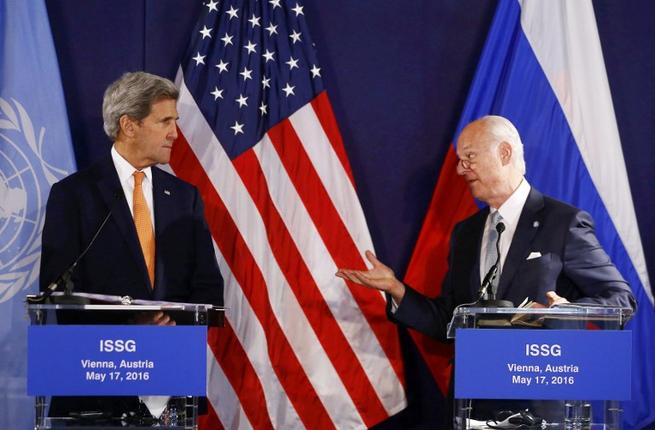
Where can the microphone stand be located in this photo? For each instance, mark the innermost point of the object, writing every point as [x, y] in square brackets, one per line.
[65, 278]
[489, 278]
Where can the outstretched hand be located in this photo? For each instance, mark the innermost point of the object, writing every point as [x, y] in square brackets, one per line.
[380, 277]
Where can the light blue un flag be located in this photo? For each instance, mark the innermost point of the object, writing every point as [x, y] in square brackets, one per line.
[35, 152]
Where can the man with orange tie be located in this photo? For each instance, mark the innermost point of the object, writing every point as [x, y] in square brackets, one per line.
[156, 244]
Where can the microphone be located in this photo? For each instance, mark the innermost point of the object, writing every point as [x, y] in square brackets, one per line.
[490, 277]
[65, 278]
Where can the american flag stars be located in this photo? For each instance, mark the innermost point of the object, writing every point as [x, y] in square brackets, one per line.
[246, 73]
[217, 93]
[254, 21]
[206, 32]
[295, 36]
[238, 128]
[264, 67]
[234, 13]
[227, 39]
[199, 59]
[222, 66]
[250, 47]
[266, 154]
[298, 10]
[243, 101]
[272, 29]
[268, 56]
[288, 90]
[292, 63]
[212, 6]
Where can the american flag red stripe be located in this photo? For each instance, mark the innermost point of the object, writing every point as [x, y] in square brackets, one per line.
[323, 108]
[283, 359]
[235, 369]
[225, 347]
[334, 236]
[294, 327]
[333, 232]
[210, 420]
[303, 349]
[304, 287]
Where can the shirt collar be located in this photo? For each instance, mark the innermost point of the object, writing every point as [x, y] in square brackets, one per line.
[125, 169]
[513, 206]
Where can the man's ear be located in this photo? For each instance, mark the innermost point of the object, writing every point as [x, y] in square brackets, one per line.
[127, 125]
[505, 152]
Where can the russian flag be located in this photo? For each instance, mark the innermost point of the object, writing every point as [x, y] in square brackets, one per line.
[542, 67]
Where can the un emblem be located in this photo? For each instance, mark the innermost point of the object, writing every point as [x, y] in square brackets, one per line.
[25, 181]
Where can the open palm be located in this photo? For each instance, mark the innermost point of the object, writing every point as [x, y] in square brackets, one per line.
[379, 277]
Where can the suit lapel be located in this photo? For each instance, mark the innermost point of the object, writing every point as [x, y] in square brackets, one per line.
[112, 193]
[529, 221]
[472, 236]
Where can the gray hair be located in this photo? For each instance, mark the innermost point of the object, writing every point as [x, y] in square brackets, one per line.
[502, 130]
[133, 95]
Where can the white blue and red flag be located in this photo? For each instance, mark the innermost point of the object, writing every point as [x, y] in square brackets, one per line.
[542, 67]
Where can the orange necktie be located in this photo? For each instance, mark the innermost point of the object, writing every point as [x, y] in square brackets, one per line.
[143, 226]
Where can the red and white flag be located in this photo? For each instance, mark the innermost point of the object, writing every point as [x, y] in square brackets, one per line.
[300, 347]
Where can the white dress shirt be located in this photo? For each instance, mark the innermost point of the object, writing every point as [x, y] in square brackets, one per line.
[155, 404]
[125, 171]
[510, 211]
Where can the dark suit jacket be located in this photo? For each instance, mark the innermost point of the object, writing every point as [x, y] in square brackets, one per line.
[185, 268]
[572, 263]
[185, 263]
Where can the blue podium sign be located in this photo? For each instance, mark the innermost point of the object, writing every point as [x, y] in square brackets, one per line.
[69, 360]
[543, 364]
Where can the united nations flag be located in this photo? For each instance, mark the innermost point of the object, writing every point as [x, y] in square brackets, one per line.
[35, 152]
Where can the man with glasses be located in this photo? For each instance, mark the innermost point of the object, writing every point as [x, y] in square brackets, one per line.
[548, 250]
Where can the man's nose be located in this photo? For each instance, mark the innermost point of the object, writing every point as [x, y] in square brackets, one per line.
[460, 168]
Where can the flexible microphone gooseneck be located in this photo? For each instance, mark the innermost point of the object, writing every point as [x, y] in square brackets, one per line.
[65, 278]
[486, 284]
[490, 277]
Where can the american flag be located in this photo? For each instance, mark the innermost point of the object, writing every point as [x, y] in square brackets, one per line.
[300, 348]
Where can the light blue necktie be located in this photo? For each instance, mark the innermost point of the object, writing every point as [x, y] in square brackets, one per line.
[490, 252]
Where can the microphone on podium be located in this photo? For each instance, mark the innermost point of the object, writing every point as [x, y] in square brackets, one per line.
[486, 295]
[65, 278]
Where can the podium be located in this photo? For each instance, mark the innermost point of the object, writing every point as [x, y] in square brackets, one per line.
[97, 365]
[565, 367]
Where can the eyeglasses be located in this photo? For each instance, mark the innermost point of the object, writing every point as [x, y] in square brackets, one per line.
[466, 163]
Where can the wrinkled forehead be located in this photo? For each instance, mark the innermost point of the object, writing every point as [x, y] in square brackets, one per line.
[474, 139]
[163, 108]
